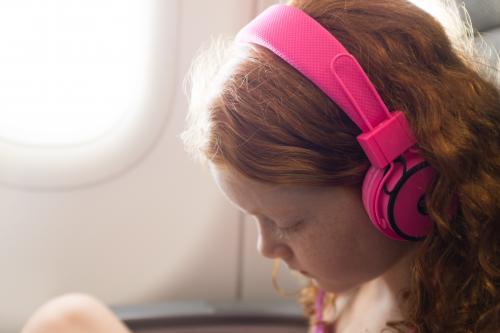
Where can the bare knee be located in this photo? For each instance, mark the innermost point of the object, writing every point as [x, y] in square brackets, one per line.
[72, 313]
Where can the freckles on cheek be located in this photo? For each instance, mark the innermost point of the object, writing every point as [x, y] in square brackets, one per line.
[306, 246]
[343, 234]
[334, 251]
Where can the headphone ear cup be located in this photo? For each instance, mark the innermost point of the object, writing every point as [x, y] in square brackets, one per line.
[395, 199]
[371, 187]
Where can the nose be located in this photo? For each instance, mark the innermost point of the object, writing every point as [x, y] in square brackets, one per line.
[269, 246]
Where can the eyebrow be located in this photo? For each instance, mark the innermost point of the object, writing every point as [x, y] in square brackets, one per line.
[291, 216]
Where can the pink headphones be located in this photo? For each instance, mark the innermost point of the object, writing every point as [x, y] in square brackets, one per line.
[395, 185]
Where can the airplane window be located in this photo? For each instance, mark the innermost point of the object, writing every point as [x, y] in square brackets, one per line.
[86, 87]
[72, 69]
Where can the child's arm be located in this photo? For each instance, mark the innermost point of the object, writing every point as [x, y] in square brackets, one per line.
[74, 313]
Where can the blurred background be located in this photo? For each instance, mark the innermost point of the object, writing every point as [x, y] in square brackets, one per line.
[96, 192]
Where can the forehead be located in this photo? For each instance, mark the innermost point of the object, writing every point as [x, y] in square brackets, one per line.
[259, 198]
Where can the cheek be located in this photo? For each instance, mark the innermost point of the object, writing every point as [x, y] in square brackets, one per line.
[342, 257]
[328, 247]
[349, 252]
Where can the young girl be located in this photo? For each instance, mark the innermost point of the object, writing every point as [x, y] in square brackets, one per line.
[368, 154]
[285, 124]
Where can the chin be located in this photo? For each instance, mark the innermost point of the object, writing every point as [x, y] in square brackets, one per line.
[335, 288]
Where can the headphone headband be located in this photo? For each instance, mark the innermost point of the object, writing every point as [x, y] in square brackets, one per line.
[311, 49]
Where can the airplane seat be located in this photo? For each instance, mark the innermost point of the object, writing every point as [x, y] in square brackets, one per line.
[214, 317]
[485, 18]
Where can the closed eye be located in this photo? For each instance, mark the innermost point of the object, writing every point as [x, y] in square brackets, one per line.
[282, 229]
[286, 231]
[290, 225]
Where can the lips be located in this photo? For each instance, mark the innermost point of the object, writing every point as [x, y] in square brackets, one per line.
[292, 268]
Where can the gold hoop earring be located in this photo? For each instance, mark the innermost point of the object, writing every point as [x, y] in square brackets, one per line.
[279, 290]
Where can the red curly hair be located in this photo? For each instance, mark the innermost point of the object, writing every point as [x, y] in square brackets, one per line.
[253, 113]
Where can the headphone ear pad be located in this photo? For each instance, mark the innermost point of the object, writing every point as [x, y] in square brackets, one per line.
[371, 187]
[394, 199]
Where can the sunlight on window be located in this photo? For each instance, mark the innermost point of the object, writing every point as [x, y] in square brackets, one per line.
[71, 70]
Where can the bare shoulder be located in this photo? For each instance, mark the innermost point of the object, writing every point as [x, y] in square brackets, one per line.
[74, 313]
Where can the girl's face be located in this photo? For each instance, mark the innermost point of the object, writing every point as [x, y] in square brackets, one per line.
[324, 233]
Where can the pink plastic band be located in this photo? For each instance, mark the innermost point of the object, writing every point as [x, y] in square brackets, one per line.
[386, 142]
[311, 49]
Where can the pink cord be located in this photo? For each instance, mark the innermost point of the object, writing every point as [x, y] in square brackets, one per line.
[320, 328]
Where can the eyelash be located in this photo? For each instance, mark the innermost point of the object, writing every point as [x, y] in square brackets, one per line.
[285, 231]
[282, 232]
